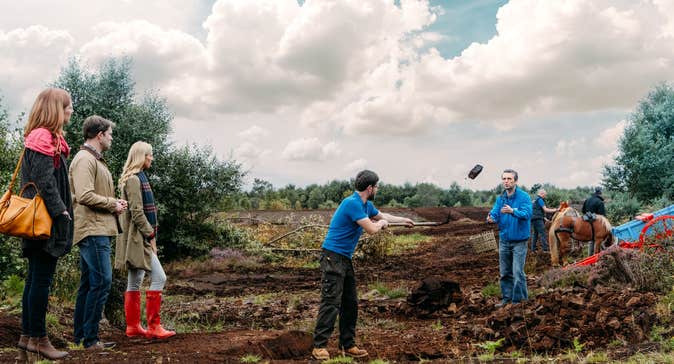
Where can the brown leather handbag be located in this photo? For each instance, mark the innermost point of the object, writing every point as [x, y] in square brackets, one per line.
[24, 217]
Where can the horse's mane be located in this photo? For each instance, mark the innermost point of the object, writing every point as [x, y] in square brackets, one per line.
[567, 211]
[604, 221]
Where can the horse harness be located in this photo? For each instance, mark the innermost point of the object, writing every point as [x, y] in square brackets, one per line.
[588, 217]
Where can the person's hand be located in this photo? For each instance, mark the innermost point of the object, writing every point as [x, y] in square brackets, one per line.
[408, 222]
[490, 219]
[121, 206]
[153, 244]
[506, 209]
[383, 223]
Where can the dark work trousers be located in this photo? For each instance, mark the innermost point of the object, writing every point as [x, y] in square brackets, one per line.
[41, 268]
[539, 230]
[338, 296]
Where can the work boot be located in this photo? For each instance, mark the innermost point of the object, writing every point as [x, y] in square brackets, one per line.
[43, 347]
[320, 354]
[22, 345]
[100, 345]
[152, 308]
[354, 352]
[132, 312]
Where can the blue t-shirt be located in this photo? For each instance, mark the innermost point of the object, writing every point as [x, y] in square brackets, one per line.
[344, 232]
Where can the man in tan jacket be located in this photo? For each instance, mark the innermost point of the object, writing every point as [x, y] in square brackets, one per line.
[96, 209]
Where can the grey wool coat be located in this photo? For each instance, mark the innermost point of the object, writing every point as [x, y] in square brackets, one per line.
[133, 249]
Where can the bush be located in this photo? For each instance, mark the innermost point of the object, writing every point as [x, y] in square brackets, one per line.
[571, 277]
[647, 271]
[622, 208]
[11, 290]
[11, 261]
[67, 276]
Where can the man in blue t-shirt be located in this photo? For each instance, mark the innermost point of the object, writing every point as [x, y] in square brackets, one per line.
[512, 213]
[338, 284]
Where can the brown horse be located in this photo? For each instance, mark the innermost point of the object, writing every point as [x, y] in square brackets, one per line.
[568, 224]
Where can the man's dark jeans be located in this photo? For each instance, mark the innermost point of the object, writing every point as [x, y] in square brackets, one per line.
[95, 280]
[41, 268]
[539, 230]
[338, 297]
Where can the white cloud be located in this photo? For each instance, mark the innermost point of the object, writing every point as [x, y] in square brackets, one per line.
[250, 152]
[608, 138]
[567, 148]
[254, 133]
[355, 166]
[310, 149]
[31, 58]
[165, 59]
[551, 56]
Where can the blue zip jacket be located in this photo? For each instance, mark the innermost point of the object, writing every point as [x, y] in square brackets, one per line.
[515, 226]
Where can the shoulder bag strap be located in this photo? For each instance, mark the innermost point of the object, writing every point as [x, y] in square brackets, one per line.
[16, 170]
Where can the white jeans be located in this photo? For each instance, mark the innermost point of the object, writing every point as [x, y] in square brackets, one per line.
[157, 276]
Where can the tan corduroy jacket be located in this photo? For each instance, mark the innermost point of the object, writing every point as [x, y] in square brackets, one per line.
[93, 196]
[133, 249]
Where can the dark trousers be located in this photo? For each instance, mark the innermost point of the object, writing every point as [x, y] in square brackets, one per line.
[95, 281]
[41, 268]
[338, 297]
[539, 230]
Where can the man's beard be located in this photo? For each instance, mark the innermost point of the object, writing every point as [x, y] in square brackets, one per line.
[370, 197]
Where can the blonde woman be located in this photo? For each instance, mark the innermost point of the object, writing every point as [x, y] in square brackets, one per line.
[137, 246]
[45, 165]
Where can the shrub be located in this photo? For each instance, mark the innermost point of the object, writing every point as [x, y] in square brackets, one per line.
[647, 271]
[11, 262]
[570, 277]
[11, 289]
[491, 290]
[622, 208]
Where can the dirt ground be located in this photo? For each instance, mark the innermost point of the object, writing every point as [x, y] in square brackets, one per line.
[269, 311]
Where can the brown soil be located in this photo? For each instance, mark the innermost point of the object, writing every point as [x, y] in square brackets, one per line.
[269, 311]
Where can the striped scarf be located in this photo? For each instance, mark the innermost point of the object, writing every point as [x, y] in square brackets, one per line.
[149, 208]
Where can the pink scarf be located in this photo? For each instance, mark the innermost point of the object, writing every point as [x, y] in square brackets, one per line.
[41, 140]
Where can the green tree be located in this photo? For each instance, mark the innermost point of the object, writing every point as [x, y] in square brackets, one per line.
[642, 167]
[10, 149]
[190, 183]
[110, 93]
[316, 198]
[427, 194]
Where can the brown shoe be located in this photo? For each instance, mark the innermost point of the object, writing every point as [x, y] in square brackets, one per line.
[22, 345]
[354, 352]
[320, 354]
[43, 347]
[99, 345]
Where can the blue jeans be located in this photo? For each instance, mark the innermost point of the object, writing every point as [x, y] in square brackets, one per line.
[539, 230]
[41, 268]
[511, 256]
[95, 281]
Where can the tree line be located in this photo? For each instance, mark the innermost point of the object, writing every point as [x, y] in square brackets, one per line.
[264, 196]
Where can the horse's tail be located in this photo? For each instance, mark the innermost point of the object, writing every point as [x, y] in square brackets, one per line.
[608, 240]
[553, 239]
[605, 223]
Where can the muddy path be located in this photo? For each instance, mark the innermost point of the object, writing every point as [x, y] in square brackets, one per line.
[268, 311]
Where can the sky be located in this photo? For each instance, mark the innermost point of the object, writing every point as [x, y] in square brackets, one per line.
[416, 90]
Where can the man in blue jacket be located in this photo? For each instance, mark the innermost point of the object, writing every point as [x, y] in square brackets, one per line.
[512, 211]
[338, 292]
